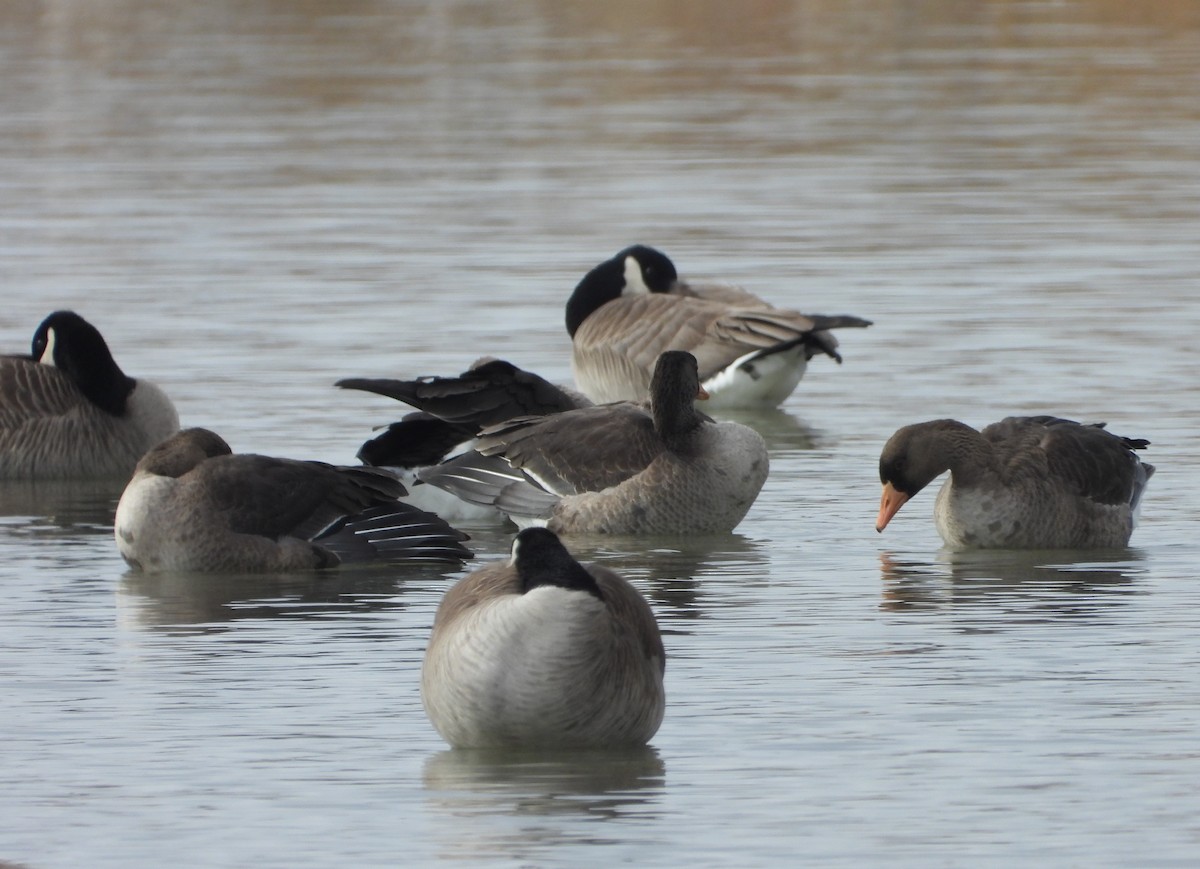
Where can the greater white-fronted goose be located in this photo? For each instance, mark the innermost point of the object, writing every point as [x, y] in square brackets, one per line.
[67, 411]
[629, 309]
[621, 468]
[542, 652]
[1026, 482]
[193, 505]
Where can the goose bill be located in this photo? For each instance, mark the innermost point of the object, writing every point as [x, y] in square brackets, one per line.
[889, 505]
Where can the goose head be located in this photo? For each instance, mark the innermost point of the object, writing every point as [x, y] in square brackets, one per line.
[183, 452]
[66, 341]
[540, 559]
[636, 270]
[912, 459]
[674, 389]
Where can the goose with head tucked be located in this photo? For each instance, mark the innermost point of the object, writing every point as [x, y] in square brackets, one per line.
[620, 468]
[1031, 482]
[544, 652]
[193, 505]
[68, 411]
[629, 309]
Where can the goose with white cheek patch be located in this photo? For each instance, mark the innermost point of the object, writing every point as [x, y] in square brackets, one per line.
[630, 309]
[621, 468]
[193, 505]
[544, 652]
[68, 411]
[1033, 482]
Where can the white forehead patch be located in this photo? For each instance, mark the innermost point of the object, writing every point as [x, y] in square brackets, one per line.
[635, 284]
[513, 553]
[48, 354]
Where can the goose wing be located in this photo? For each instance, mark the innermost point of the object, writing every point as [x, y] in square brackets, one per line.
[582, 450]
[1087, 460]
[275, 497]
[637, 329]
[30, 390]
[486, 394]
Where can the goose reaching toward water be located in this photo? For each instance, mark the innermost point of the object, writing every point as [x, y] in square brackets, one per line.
[193, 505]
[1033, 482]
[629, 309]
[68, 411]
[541, 651]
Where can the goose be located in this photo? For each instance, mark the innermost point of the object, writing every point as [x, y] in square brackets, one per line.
[629, 309]
[620, 468]
[453, 410]
[541, 651]
[193, 505]
[67, 411]
[1026, 482]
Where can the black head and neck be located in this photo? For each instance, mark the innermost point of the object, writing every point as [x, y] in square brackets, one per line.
[541, 559]
[71, 344]
[635, 270]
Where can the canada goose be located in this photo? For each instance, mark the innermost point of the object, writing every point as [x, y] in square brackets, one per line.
[1026, 482]
[67, 411]
[621, 468]
[193, 505]
[629, 309]
[541, 651]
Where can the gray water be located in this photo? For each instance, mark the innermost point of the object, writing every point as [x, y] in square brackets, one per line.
[252, 200]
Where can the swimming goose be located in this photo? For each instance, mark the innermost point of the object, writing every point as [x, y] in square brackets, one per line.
[1026, 482]
[451, 410]
[67, 411]
[541, 651]
[629, 309]
[621, 468]
[193, 505]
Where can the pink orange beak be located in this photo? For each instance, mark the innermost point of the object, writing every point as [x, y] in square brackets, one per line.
[701, 394]
[889, 505]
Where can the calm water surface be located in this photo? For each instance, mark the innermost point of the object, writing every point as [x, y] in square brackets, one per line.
[253, 200]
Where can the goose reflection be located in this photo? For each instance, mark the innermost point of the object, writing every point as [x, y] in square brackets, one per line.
[75, 506]
[209, 603]
[672, 572]
[537, 786]
[1016, 584]
[782, 431]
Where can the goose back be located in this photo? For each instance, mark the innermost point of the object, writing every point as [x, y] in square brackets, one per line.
[552, 660]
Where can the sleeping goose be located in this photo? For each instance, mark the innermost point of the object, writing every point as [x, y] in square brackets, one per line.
[629, 309]
[67, 411]
[193, 505]
[541, 651]
[621, 468]
[1029, 482]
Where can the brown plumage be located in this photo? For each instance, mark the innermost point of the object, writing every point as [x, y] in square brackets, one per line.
[1024, 482]
[541, 651]
[622, 468]
[629, 309]
[193, 505]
